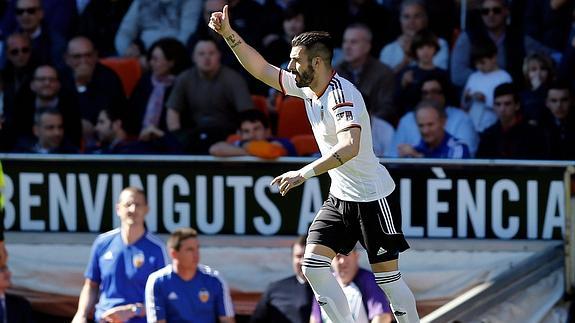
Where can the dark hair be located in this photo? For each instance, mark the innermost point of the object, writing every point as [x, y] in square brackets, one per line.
[445, 84]
[560, 85]
[481, 49]
[362, 26]
[431, 104]
[179, 235]
[292, 11]
[300, 241]
[42, 111]
[317, 43]
[506, 89]
[174, 51]
[422, 38]
[253, 115]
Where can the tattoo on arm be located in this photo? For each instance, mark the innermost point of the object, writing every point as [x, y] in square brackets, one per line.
[232, 41]
[336, 156]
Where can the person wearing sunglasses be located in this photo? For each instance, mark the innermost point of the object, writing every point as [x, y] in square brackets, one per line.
[19, 66]
[510, 45]
[47, 45]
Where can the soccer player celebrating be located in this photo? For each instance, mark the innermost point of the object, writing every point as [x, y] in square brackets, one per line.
[357, 208]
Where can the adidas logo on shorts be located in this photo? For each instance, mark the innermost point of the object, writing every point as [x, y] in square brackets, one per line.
[381, 251]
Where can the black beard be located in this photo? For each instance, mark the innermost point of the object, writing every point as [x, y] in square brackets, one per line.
[305, 78]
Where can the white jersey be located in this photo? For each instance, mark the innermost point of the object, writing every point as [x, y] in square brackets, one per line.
[340, 107]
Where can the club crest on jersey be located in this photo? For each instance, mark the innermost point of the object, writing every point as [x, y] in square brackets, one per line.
[138, 259]
[339, 116]
[204, 295]
[348, 116]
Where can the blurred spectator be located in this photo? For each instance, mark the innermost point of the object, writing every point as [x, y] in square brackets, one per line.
[184, 291]
[17, 72]
[120, 262]
[60, 16]
[382, 134]
[288, 300]
[13, 308]
[275, 46]
[509, 43]
[48, 137]
[150, 20]
[538, 72]
[47, 44]
[374, 16]
[254, 139]
[45, 91]
[100, 21]
[413, 18]
[167, 58]
[424, 47]
[510, 137]
[478, 91]
[199, 119]
[566, 69]
[367, 301]
[114, 139]
[458, 122]
[435, 142]
[95, 85]
[373, 79]
[547, 24]
[561, 126]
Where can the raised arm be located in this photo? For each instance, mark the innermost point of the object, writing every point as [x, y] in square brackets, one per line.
[250, 59]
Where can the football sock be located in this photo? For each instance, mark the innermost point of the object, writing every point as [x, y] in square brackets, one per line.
[399, 295]
[327, 291]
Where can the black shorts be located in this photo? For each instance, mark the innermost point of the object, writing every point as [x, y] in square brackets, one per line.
[376, 225]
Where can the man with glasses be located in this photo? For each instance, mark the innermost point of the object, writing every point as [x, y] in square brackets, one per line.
[47, 45]
[120, 263]
[457, 122]
[45, 92]
[96, 86]
[510, 44]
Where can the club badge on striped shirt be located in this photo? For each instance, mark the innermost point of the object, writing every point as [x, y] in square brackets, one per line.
[204, 295]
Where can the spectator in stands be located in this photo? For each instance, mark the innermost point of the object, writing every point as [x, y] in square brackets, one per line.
[48, 136]
[376, 17]
[413, 18]
[13, 308]
[374, 79]
[199, 119]
[167, 58]
[119, 265]
[435, 141]
[382, 134]
[185, 291]
[509, 43]
[458, 122]
[366, 300]
[560, 127]
[288, 300]
[45, 91]
[423, 48]
[276, 45]
[538, 72]
[478, 92]
[95, 85]
[510, 137]
[100, 21]
[113, 138]
[47, 45]
[19, 68]
[546, 25]
[150, 20]
[254, 139]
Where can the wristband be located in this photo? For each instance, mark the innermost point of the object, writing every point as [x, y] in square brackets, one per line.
[307, 172]
[138, 310]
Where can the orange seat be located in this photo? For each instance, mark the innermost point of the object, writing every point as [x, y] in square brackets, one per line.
[128, 69]
[261, 103]
[292, 118]
[233, 138]
[305, 145]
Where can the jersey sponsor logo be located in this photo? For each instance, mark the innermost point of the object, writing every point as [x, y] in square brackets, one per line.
[172, 296]
[381, 251]
[348, 115]
[204, 295]
[108, 255]
[339, 116]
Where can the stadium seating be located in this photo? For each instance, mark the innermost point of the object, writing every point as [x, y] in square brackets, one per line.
[128, 69]
[292, 118]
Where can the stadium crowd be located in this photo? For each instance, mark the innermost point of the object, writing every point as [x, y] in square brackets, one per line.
[169, 85]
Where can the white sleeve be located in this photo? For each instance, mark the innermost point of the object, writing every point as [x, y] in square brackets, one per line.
[288, 85]
[342, 106]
